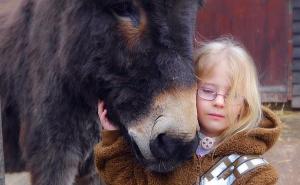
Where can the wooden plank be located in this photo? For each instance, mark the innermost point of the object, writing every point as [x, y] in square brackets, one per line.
[275, 93]
[273, 97]
[273, 89]
[296, 40]
[2, 173]
[296, 15]
[296, 4]
[296, 27]
[296, 78]
[296, 53]
[296, 66]
[296, 90]
[296, 102]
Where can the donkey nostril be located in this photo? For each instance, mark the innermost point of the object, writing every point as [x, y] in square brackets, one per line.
[164, 147]
[167, 148]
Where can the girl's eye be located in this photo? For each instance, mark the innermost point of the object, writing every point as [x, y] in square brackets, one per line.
[208, 91]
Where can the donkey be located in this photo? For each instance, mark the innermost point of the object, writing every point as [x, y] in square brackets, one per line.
[58, 58]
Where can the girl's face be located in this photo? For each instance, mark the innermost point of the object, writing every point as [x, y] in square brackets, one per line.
[211, 100]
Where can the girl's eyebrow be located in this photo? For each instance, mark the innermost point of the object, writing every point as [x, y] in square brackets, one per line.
[210, 84]
[214, 85]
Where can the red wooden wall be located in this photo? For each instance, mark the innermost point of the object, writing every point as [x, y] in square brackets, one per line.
[264, 27]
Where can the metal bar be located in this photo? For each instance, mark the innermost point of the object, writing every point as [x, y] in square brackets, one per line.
[2, 172]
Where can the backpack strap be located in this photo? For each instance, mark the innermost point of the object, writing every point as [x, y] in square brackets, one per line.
[221, 172]
[247, 163]
[231, 167]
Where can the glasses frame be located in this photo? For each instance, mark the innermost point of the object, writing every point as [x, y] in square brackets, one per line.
[239, 100]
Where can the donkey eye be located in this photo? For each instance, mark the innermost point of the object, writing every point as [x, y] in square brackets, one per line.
[124, 9]
[200, 3]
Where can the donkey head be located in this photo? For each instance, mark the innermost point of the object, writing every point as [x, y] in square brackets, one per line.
[140, 58]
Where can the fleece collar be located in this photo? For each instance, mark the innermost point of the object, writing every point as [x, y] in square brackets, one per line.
[254, 141]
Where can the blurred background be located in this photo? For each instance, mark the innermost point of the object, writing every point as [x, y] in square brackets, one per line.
[270, 30]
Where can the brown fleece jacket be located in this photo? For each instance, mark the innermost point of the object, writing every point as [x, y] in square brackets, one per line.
[117, 166]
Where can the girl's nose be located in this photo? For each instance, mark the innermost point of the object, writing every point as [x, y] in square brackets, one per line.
[219, 101]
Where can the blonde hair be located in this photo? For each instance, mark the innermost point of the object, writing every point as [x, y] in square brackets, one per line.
[243, 78]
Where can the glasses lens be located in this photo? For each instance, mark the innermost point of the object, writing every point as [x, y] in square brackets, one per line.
[207, 93]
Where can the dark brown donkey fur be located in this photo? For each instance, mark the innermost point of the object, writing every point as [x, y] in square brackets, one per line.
[59, 57]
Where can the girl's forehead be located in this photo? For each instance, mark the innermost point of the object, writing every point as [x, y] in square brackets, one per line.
[213, 85]
[214, 64]
[218, 76]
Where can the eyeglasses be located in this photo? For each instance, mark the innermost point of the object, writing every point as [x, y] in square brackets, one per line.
[210, 93]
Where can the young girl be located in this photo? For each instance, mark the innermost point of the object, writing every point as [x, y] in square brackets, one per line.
[234, 129]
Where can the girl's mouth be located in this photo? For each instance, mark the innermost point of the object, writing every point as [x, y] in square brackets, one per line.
[216, 116]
